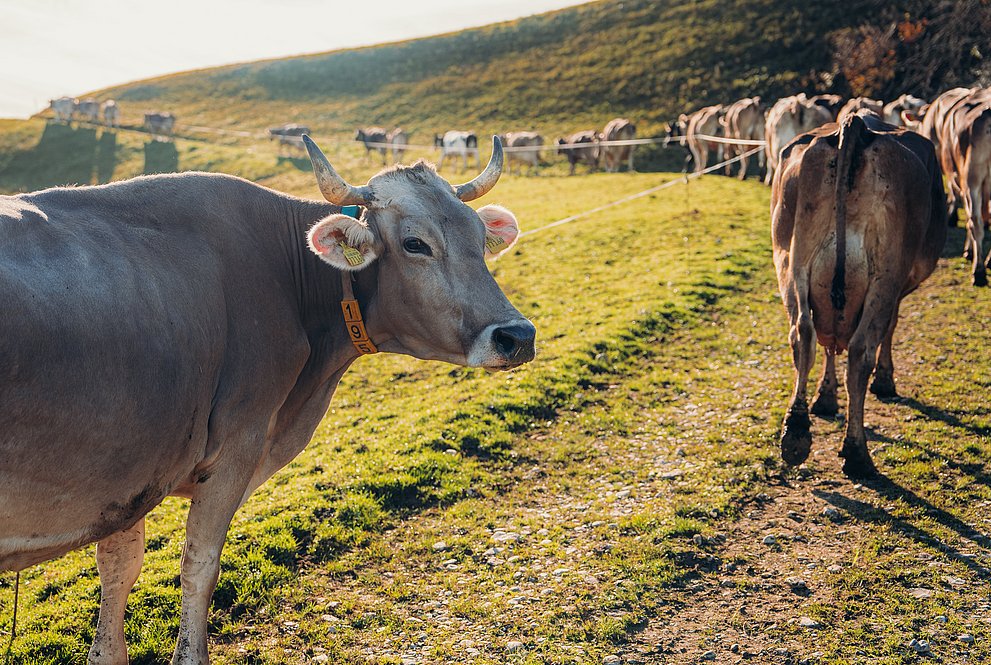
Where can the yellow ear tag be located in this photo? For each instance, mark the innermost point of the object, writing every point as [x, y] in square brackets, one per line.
[351, 255]
[494, 243]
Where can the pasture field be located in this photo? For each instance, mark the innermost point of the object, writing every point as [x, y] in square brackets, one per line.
[611, 500]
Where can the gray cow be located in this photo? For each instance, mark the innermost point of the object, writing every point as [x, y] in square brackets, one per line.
[290, 136]
[183, 335]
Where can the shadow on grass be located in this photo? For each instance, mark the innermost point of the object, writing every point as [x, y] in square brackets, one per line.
[64, 155]
[891, 491]
[301, 163]
[106, 157]
[161, 157]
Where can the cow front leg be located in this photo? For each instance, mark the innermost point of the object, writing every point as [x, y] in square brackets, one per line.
[826, 404]
[884, 375]
[118, 560]
[210, 513]
[796, 436]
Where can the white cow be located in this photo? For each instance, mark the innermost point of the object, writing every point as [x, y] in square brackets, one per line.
[63, 107]
[111, 113]
[457, 143]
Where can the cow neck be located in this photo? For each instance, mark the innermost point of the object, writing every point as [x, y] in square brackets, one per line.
[353, 320]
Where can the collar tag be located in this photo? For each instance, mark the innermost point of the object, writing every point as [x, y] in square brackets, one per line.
[350, 211]
[356, 327]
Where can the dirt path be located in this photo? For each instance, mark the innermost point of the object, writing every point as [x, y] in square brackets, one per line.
[662, 528]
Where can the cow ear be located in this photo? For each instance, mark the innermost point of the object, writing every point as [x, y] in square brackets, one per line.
[343, 242]
[501, 229]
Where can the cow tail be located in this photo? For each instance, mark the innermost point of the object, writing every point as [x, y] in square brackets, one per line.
[850, 134]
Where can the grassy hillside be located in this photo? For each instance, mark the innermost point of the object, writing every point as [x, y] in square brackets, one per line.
[647, 59]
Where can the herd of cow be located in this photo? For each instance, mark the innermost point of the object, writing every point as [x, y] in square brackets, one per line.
[66, 109]
[183, 334]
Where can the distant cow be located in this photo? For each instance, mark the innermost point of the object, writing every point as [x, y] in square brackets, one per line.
[457, 143]
[289, 136]
[160, 125]
[584, 147]
[705, 121]
[398, 140]
[679, 130]
[789, 117]
[63, 108]
[744, 121]
[844, 262]
[875, 106]
[904, 111]
[523, 148]
[87, 110]
[832, 103]
[374, 138]
[967, 142]
[617, 129]
[111, 113]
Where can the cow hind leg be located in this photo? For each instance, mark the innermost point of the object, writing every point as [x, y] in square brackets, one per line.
[796, 436]
[884, 374]
[975, 235]
[873, 327]
[118, 560]
[826, 404]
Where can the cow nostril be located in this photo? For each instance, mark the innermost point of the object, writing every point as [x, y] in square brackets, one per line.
[514, 342]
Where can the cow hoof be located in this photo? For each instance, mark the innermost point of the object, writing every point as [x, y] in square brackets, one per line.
[825, 406]
[858, 463]
[884, 387]
[796, 444]
[981, 279]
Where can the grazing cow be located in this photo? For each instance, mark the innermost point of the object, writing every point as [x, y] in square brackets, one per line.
[63, 108]
[875, 106]
[578, 152]
[967, 139]
[523, 148]
[832, 103]
[398, 139]
[789, 117]
[183, 335]
[679, 130]
[289, 136]
[457, 143]
[111, 113]
[374, 138]
[87, 110]
[160, 125]
[705, 121]
[905, 111]
[613, 156]
[744, 121]
[857, 223]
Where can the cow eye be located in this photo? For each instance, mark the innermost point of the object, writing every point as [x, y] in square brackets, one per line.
[416, 246]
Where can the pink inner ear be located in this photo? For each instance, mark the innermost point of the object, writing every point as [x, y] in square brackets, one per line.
[324, 239]
[503, 227]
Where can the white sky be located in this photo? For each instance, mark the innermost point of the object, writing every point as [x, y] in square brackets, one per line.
[50, 48]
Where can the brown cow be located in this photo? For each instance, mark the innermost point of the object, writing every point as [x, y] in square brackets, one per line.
[832, 103]
[617, 129]
[373, 138]
[578, 152]
[857, 223]
[789, 117]
[967, 139]
[705, 121]
[937, 126]
[744, 121]
[875, 106]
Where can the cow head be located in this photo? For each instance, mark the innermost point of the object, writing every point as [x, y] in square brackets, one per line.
[438, 141]
[434, 296]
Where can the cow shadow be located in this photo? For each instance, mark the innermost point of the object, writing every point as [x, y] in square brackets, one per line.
[64, 155]
[301, 163]
[956, 236]
[161, 157]
[106, 156]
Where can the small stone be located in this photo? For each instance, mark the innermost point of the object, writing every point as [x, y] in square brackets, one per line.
[966, 638]
[708, 655]
[624, 494]
[919, 646]
[698, 539]
[735, 648]
[920, 593]
[808, 622]
[320, 658]
[769, 539]
[440, 546]
[942, 618]
[835, 568]
[612, 660]
[514, 647]
[831, 514]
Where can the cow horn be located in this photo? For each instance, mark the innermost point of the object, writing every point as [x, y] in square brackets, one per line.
[333, 187]
[487, 179]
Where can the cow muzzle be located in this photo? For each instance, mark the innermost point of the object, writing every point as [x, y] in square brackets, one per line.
[504, 346]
